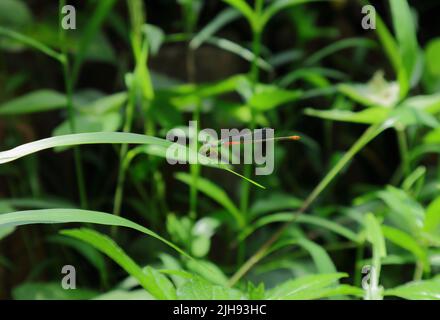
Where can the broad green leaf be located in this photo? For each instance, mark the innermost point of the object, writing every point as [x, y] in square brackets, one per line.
[215, 193]
[306, 219]
[222, 19]
[406, 242]
[420, 290]
[90, 253]
[323, 262]
[50, 291]
[433, 137]
[209, 89]
[51, 216]
[34, 203]
[405, 115]
[6, 231]
[239, 50]
[199, 289]
[330, 225]
[155, 37]
[201, 233]
[388, 43]
[274, 202]
[15, 14]
[338, 46]
[304, 288]
[428, 103]
[256, 292]
[404, 211]
[101, 50]
[405, 30]
[108, 122]
[373, 115]
[141, 79]
[284, 57]
[267, 97]
[171, 263]
[245, 10]
[151, 280]
[179, 229]
[338, 291]
[392, 50]
[119, 294]
[432, 53]
[208, 271]
[432, 217]
[37, 101]
[103, 105]
[278, 5]
[376, 93]
[310, 73]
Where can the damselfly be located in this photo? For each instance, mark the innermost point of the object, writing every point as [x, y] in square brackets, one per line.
[263, 136]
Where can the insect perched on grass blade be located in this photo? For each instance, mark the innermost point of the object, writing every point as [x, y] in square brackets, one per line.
[212, 148]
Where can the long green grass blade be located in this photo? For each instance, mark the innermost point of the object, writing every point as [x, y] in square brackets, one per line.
[52, 216]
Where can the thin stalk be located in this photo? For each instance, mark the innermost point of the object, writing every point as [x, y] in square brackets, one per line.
[135, 9]
[32, 43]
[404, 153]
[368, 135]
[255, 75]
[195, 168]
[71, 116]
[187, 10]
[418, 272]
[129, 111]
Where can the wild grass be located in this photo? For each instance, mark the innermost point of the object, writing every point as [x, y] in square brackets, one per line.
[234, 236]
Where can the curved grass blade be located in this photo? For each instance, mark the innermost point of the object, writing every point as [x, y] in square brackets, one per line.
[32, 43]
[150, 279]
[78, 139]
[276, 6]
[51, 216]
[97, 138]
[238, 50]
[338, 46]
[216, 193]
[36, 101]
[222, 19]
[288, 216]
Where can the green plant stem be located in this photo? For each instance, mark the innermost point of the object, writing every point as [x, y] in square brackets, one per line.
[129, 111]
[255, 75]
[71, 115]
[404, 153]
[32, 43]
[194, 168]
[137, 19]
[418, 272]
[369, 135]
[189, 19]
